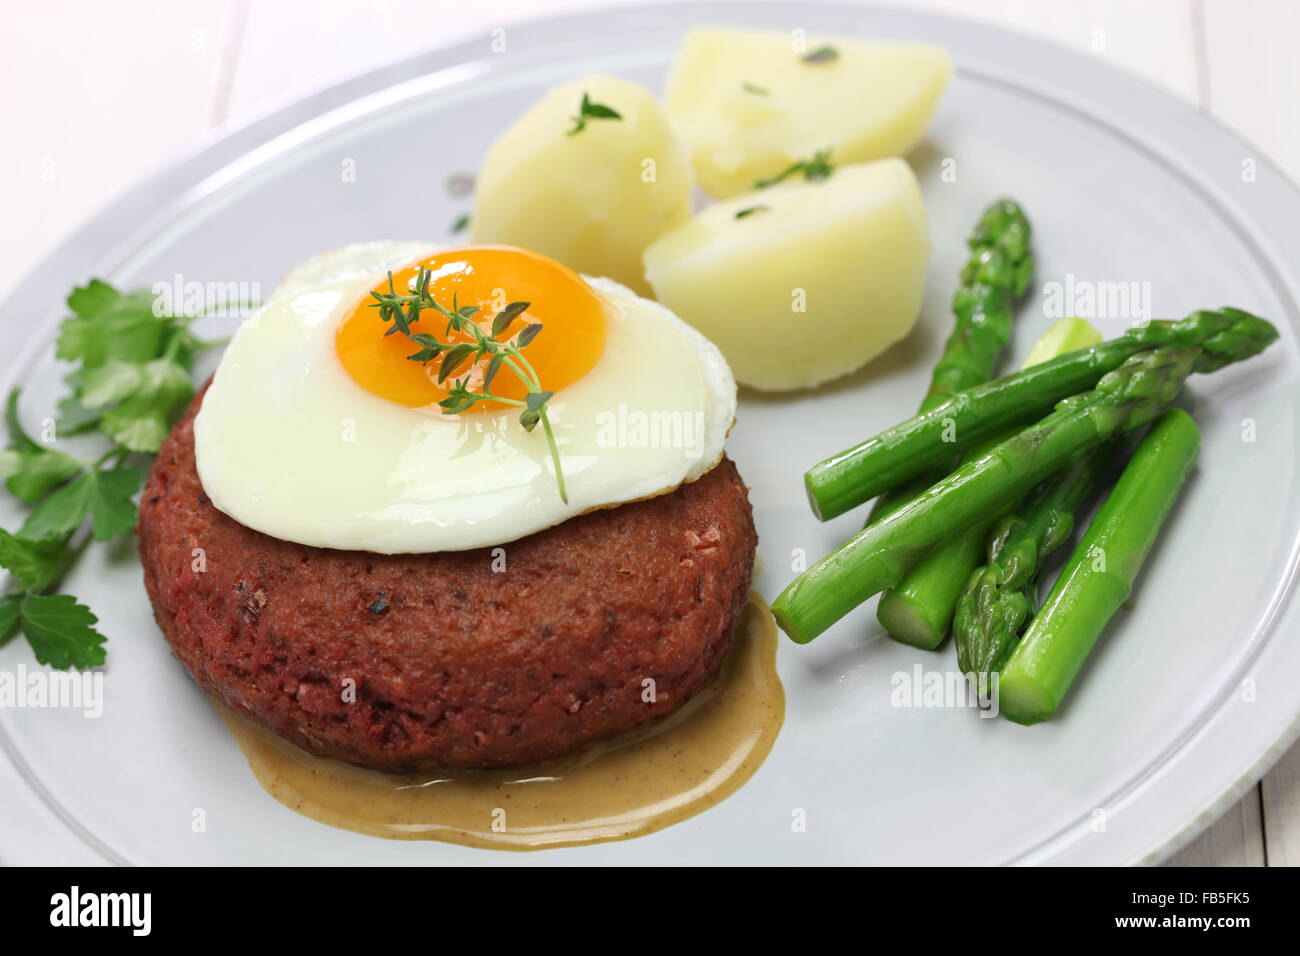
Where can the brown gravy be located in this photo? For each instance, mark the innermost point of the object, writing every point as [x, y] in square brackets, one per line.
[625, 787]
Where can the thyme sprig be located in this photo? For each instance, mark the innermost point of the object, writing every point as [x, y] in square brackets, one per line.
[587, 110]
[817, 168]
[823, 54]
[404, 311]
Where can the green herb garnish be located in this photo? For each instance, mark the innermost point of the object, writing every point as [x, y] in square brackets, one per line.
[817, 168]
[130, 381]
[749, 87]
[823, 54]
[461, 224]
[750, 210]
[589, 111]
[404, 311]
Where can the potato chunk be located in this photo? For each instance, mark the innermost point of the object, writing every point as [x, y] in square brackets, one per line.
[804, 281]
[593, 199]
[749, 103]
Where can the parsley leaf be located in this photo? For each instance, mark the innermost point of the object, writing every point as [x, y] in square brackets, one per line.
[95, 297]
[110, 382]
[74, 417]
[109, 324]
[131, 358]
[31, 470]
[31, 475]
[22, 441]
[61, 631]
[104, 496]
[135, 425]
[34, 565]
[149, 397]
[131, 380]
[9, 606]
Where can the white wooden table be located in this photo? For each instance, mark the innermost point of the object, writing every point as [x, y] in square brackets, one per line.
[99, 94]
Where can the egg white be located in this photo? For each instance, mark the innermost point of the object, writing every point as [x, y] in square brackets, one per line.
[288, 444]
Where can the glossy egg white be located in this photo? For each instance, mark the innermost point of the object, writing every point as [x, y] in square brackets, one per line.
[287, 443]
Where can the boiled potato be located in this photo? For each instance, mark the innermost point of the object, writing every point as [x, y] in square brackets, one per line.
[748, 104]
[594, 199]
[801, 282]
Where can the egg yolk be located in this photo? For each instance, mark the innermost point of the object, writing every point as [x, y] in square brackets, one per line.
[572, 317]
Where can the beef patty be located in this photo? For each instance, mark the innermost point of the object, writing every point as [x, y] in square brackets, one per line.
[487, 658]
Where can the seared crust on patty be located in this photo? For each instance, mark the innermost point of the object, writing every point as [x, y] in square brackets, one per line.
[454, 659]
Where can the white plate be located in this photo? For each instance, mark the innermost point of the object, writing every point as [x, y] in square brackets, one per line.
[1122, 183]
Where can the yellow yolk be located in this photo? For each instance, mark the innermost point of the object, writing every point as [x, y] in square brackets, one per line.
[571, 314]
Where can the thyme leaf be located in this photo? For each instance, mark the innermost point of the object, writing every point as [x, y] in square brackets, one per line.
[815, 169]
[403, 310]
[823, 54]
[588, 110]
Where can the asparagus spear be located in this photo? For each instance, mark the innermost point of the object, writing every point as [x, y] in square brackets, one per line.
[880, 554]
[997, 272]
[1099, 576]
[999, 597]
[919, 609]
[1064, 335]
[932, 438]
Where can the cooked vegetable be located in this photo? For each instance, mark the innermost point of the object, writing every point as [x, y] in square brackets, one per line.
[817, 278]
[999, 597]
[919, 609]
[751, 103]
[997, 272]
[1064, 335]
[1099, 575]
[932, 438]
[880, 555]
[591, 175]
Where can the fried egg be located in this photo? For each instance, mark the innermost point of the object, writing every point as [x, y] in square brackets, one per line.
[319, 429]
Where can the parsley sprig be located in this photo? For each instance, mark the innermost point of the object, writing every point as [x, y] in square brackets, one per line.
[130, 381]
[587, 110]
[817, 168]
[404, 310]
